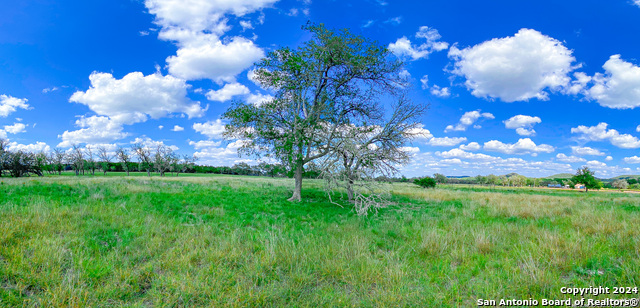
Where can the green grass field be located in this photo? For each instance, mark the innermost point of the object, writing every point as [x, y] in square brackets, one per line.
[235, 241]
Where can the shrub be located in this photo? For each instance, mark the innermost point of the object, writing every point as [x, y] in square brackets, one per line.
[426, 182]
[620, 184]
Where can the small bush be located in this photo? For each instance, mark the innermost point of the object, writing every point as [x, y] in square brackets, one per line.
[426, 182]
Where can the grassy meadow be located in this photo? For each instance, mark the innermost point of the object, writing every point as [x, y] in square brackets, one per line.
[218, 241]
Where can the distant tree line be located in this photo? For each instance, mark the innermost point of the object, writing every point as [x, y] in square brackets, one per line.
[583, 176]
[20, 163]
[160, 160]
[262, 169]
[88, 160]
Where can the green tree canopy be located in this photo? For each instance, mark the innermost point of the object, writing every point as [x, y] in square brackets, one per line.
[327, 83]
[585, 176]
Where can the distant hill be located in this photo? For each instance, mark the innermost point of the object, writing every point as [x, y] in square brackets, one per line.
[569, 175]
[512, 174]
[625, 177]
[560, 176]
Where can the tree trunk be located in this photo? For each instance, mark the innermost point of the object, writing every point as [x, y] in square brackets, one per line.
[127, 172]
[297, 191]
[350, 190]
[148, 172]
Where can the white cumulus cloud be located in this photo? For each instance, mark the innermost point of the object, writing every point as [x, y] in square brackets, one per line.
[515, 68]
[211, 129]
[403, 47]
[458, 153]
[197, 26]
[586, 151]
[410, 150]
[596, 164]
[523, 124]
[31, 148]
[440, 92]
[472, 146]
[227, 92]
[214, 59]
[579, 84]
[9, 104]
[16, 128]
[204, 144]
[632, 160]
[601, 133]
[177, 128]
[245, 24]
[619, 87]
[136, 97]
[467, 119]
[446, 141]
[569, 159]
[523, 146]
[94, 129]
[200, 15]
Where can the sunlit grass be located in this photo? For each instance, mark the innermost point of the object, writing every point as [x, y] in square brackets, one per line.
[236, 241]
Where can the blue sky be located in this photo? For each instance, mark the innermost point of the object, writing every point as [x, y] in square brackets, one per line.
[534, 87]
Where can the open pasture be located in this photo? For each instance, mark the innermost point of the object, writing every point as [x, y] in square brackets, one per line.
[235, 241]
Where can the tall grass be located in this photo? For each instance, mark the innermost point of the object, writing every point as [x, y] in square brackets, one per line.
[235, 241]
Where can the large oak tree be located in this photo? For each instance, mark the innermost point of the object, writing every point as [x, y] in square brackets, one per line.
[331, 81]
